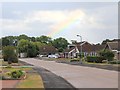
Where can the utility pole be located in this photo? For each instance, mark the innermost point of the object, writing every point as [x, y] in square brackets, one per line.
[80, 48]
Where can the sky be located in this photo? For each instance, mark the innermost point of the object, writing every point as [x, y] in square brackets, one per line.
[94, 21]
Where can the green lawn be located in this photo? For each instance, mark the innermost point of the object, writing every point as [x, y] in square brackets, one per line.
[54, 59]
[4, 63]
[33, 80]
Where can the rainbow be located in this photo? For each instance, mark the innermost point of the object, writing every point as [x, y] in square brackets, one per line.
[64, 25]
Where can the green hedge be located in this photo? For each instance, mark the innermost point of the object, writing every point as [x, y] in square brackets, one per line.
[114, 62]
[95, 59]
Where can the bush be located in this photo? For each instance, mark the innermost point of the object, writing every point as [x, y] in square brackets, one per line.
[16, 74]
[9, 54]
[114, 62]
[75, 59]
[108, 55]
[95, 59]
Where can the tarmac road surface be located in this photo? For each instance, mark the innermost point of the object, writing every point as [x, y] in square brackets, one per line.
[79, 76]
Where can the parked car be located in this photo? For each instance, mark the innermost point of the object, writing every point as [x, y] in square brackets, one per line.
[52, 56]
[42, 55]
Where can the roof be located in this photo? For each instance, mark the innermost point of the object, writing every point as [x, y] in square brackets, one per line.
[91, 48]
[77, 43]
[69, 49]
[47, 49]
[86, 47]
[115, 45]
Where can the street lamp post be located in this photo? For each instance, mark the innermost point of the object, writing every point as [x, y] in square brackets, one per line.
[80, 48]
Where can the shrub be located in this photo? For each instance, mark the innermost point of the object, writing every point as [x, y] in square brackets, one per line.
[16, 74]
[95, 59]
[114, 62]
[75, 59]
[8, 66]
[9, 54]
[108, 55]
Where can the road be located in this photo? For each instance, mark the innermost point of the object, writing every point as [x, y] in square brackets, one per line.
[51, 80]
[79, 76]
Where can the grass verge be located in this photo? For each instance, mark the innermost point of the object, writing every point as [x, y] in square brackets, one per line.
[33, 80]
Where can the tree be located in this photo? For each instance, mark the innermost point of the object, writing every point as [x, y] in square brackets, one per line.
[44, 39]
[10, 54]
[9, 40]
[105, 41]
[60, 44]
[23, 36]
[107, 54]
[23, 46]
[32, 39]
[32, 50]
[5, 41]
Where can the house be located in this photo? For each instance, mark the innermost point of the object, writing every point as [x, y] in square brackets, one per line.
[114, 46]
[88, 49]
[47, 50]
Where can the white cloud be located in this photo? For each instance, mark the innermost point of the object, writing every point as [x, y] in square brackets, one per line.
[89, 23]
[14, 25]
[52, 16]
[17, 12]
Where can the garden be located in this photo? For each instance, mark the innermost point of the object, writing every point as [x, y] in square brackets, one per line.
[12, 70]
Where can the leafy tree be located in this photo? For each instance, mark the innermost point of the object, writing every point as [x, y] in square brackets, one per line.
[60, 43]
[107, 54]
[44, 39]
[23, 46]
[32, 50]
[5, 41]
[60, 49]
[23, 36]
[10, 54]
[105, 41]
[9, 40]
[32, 39]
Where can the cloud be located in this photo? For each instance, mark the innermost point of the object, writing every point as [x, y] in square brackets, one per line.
[90, 23]
[17, 12]
[14, 25]
[50, 18]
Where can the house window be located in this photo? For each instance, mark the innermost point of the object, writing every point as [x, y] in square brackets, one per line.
[84, 54]
[90, 53]
[95, 54]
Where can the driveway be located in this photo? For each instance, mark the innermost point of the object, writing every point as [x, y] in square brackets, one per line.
[79, 76]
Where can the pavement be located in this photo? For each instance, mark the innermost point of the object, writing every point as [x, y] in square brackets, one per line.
[51, 80]
[79, 76]
[9, 83]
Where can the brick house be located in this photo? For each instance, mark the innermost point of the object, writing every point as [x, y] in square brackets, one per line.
[114, 46]
[48, 49]
[88, 49]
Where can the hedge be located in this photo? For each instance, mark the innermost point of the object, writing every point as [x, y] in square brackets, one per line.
[95, 59]
[114, 62]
